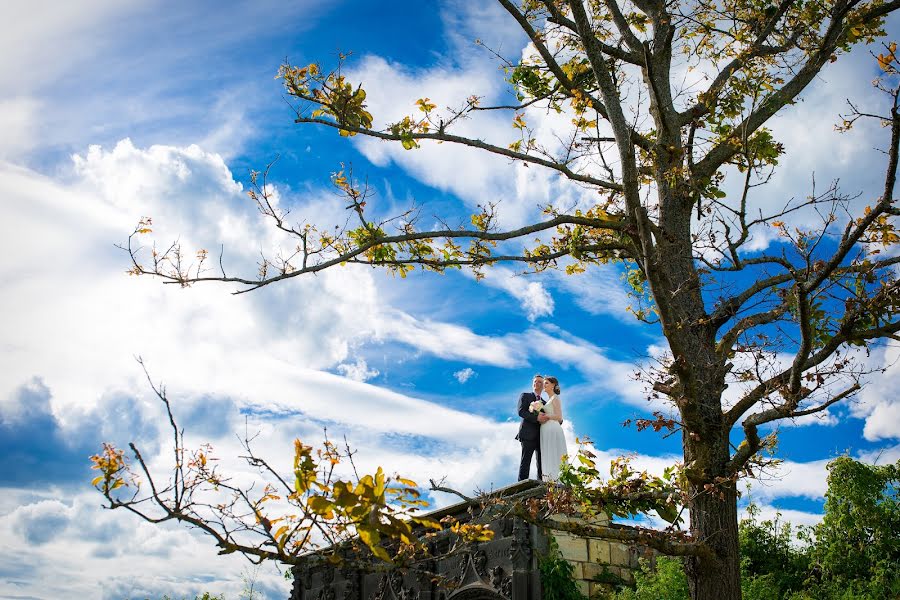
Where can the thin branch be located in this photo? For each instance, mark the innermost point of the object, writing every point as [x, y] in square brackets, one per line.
[472, 143]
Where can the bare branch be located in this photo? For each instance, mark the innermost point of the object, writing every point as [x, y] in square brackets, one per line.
[472, 143]
[787, 410]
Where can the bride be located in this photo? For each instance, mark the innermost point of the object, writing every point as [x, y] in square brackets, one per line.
[553, 441]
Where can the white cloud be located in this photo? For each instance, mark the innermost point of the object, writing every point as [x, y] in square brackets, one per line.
[156, 559]
[767, 512]
[878, 402]
[463, 375]
[615, 378]
[790, 479]
[24, 60]
[536, 301]
[881, 456]
[600, 290]
[122, 72]
[17, 121]
[358, 371]
[450, 341]
[475, 176]
[67, 232]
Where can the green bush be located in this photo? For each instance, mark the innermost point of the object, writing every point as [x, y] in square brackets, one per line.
[857, 546]
[557, 576]
[854, 554]
[667, 581]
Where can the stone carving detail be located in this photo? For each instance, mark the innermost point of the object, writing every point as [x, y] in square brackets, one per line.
[503, 568]
[351, 587]
[520, 548]
[462, 568]
[326, 593]
[472, 567]
[502, 585]
[479, 561]
[506, 587]
[391, 587]
[496, 576]
[408, 594]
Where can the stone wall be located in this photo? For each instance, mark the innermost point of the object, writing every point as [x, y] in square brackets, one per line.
[600, 564]
[504, 568]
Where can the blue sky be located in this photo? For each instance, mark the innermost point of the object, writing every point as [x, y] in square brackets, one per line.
[112, 111]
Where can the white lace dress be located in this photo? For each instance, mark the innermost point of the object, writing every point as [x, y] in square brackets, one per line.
[553, 443]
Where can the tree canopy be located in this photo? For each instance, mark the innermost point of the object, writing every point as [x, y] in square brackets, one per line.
[781, 324]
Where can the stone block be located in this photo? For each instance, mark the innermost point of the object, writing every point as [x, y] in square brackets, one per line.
[577, 569]
[599, 520]
[572, 548]
[598, 551]
[583, 586]
[591, 570]
[619, 554]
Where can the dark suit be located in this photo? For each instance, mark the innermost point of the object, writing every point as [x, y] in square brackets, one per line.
[529, 436]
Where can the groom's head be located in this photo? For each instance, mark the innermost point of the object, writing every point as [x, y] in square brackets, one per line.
[537, 384]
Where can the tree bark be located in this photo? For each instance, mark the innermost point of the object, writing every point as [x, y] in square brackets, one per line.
[714, 522]
[700, 374]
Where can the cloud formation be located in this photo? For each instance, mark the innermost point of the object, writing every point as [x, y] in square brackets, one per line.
[463, 375]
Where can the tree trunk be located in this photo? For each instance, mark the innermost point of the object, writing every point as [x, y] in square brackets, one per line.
[714, 521]
[700, 374]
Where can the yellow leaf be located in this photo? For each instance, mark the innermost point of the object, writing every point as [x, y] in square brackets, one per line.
[369, 537]
[426, 522]
[321, 506]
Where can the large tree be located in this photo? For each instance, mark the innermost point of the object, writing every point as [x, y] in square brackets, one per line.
[655, 155]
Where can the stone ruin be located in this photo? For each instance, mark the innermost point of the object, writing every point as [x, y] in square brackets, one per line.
[505, 568]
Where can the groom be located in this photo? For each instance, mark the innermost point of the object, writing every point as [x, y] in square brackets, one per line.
[530, 429]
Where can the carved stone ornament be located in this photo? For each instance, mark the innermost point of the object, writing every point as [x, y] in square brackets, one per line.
[351, 587]
[520, 547]
[326, 593]
[390, 587]
[496, 576]
[501, 584]
[472, 567]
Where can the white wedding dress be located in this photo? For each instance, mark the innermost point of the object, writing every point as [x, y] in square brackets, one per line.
[553, 444]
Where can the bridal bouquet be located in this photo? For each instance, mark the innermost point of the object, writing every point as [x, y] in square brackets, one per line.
[536, 406]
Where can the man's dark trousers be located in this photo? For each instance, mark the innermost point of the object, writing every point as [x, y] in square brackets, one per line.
[529, 436]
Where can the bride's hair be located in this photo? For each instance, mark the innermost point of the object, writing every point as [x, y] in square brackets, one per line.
[554, 381]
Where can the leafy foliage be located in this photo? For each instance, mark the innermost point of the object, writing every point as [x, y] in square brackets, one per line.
[851, 555]
[858, 538]
[625, 493]
[316, 509]
[652, 153]
[665, 580]
[557, 576]
[770, 555]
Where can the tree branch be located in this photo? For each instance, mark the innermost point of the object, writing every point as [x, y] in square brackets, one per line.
[472, 143]
[751, 444]
[775, 101]
[179, 277]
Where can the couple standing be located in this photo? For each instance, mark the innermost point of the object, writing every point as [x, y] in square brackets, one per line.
[541, 429]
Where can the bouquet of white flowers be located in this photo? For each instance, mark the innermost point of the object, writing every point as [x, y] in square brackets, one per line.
[536, 406]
